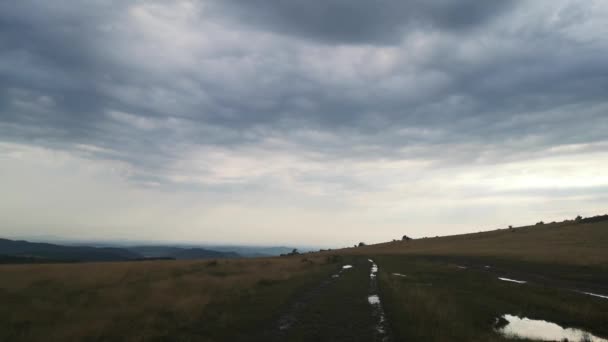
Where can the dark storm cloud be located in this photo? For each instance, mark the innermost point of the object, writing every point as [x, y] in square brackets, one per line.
[361, 21]
[342, 79]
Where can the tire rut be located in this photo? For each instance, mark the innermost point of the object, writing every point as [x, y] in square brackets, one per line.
[345, 306]
[382, 333]
[290, 316]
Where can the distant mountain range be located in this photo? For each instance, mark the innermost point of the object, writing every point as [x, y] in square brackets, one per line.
[20, 251]
[179, 252]
[256, 251]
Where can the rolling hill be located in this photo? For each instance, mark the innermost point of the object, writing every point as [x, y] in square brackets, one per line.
[569, 242]
[26, 251]
[21, 251]
[180, 253]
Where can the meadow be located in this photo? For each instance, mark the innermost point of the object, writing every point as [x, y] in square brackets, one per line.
[434, 289]
[150, 301]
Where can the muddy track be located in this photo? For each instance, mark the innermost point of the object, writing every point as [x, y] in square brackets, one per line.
[290, 317]
[382, 330]
[536, 276]
[343, 307]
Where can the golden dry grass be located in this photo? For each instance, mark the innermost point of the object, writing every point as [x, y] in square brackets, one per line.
[131, 301]
[564, 243]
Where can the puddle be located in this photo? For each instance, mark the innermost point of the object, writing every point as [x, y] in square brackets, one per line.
[345, 267]
[335, 276]
[513, 280]
[374, 271]
[461, 267]
[399, 275]
[540, 330]
[487, 266]
[595, 295]
[377, 309]
[373, 299]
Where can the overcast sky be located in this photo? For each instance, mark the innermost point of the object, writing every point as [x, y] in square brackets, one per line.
[299, 122]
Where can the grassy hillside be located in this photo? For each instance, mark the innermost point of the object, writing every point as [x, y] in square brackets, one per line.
[450, 289]
[157, 300]
[436, 289]
[564, 243]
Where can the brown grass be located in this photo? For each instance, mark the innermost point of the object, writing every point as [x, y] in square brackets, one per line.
[564, 243]
[129, 301]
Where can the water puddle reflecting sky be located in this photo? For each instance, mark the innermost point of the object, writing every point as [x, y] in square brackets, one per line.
[596, 295]
[540, 330]
[373, 299]
[377, 309]
[513, 280]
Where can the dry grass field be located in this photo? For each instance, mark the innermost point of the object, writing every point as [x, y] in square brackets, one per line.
[446, 289]
[140, 301]
[562, 243]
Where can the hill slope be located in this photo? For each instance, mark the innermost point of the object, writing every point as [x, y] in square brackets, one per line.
[566, 242]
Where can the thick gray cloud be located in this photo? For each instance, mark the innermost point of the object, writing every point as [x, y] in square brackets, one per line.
[188, 93]
[66, 68]
[360, 21]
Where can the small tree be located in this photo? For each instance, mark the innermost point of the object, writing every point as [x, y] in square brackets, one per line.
[406, 238]
[361, 244]
[578, 219]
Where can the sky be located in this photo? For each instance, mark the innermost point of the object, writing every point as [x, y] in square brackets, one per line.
[304, 122]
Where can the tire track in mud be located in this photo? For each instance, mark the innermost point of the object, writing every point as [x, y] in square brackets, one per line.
[291, 316]
[537, 275]
[287, 320]
[534, 278]
[381, 328]
[331, 322]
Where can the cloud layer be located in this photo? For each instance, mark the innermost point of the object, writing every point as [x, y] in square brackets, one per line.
[397, 107]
